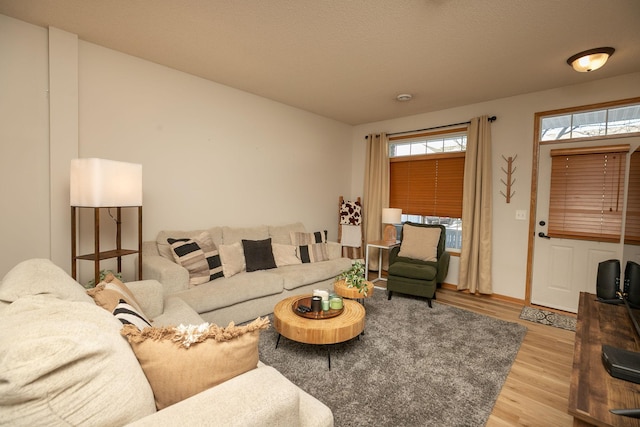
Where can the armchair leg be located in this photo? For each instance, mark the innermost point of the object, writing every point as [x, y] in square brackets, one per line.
[389, 295]
[429, 302]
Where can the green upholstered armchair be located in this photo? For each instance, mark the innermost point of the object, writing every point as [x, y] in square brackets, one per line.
[420, 262]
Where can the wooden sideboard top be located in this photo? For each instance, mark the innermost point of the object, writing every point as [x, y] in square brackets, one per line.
[592, 390]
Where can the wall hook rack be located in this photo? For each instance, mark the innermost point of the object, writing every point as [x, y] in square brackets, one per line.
[508, 194]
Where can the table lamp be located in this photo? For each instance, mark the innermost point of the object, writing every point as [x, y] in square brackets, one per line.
[391, 216]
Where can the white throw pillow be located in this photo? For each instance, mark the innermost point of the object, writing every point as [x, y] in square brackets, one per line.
[285, 254]
[232, 257]
[420, 242]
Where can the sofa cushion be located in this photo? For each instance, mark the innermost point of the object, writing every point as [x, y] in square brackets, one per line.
[128, 315]
[419, 242]
[258, 254]
[232, 257]
[295, 276]
[229, 291]
[285, 254]
[199, 256]
[281, 234]
[236, 234]
[202, 356]
[413, 271]
[40, 276]
[65, 363]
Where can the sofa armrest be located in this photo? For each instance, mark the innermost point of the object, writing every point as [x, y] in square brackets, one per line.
[174, 277]
[334, 250]
[149, 294]
[393, 254]
[260, 397]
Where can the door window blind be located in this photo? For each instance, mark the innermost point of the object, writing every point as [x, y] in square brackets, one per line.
[587, 190]
[632, 225]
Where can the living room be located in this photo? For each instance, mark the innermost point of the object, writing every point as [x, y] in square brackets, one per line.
[216, 155]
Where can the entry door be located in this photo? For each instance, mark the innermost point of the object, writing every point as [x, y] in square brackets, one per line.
[562, 268]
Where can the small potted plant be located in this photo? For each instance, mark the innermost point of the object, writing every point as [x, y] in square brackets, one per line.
[103, 273]
[354, 278]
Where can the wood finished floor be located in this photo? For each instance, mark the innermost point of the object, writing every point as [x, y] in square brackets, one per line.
[536, 392]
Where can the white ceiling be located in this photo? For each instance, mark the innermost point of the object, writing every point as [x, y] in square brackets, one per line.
[348, 60]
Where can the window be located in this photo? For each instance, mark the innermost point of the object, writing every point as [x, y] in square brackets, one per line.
[426, 179]
[587, 193]
[599, 123]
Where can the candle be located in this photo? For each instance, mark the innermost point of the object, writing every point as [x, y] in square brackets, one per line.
[336, 303]
[322, 293]
[316, 304]
[325, 305]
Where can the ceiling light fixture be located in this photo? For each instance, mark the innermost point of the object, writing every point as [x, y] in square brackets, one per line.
[404, 97]
[591, 59]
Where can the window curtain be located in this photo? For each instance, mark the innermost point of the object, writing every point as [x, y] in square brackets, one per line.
[376, 191]
[475, 258]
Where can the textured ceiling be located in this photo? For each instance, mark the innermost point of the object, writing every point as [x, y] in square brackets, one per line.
[348, 60]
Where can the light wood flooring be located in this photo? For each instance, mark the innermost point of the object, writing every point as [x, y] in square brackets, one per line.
[536, 391]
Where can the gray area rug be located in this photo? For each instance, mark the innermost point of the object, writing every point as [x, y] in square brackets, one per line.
[548, 318]
[414, 366]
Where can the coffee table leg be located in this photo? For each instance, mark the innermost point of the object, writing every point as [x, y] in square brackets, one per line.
[278, 341]
[329, 355]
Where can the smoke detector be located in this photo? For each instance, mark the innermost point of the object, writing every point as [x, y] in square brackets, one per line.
[404, 97]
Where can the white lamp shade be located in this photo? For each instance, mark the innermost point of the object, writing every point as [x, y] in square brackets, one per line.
[391, 216]
[105, 183]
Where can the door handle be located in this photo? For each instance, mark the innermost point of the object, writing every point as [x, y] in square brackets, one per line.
[544, 236]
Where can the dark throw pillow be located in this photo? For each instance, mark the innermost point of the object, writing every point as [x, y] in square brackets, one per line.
[258, 254]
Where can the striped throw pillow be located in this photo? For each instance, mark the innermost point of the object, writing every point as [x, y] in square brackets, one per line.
[199, 256]
[128, 315]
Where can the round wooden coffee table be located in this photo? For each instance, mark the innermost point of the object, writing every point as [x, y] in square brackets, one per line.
[349, 324]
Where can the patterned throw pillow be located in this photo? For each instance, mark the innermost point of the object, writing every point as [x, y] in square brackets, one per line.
[350, 213]
[128, 315]
[313, 253]
[201, 356]
[299, 238]
[199, 256]
[108, 294]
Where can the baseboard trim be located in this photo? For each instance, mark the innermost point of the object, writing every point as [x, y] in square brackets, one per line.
[498, 297]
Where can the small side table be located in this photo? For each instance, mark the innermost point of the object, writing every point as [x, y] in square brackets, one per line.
[381, 244]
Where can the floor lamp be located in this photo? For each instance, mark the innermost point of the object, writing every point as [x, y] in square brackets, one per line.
[99, 183]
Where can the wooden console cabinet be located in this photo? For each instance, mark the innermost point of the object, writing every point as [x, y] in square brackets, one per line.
[592, 390]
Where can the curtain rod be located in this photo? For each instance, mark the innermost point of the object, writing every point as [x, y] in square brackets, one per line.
[491, 119]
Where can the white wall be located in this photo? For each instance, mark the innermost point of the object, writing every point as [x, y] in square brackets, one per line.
[24, 142]
[211, 155]
[512, 135]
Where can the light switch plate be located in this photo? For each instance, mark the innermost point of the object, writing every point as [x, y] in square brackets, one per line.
[521, 215]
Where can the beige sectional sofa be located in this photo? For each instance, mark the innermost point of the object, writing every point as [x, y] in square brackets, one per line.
[64, 362]
[246, 295]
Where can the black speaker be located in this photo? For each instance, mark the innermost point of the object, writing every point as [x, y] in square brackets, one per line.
[608, 283]
[632, 282]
